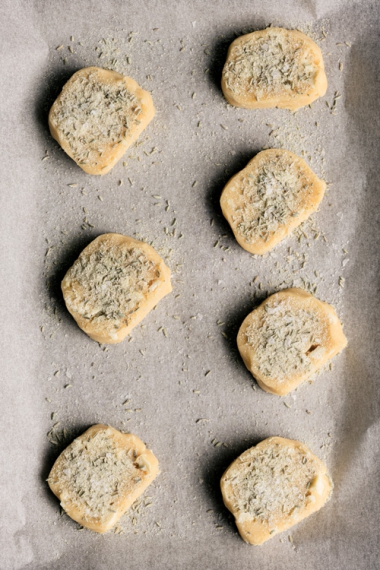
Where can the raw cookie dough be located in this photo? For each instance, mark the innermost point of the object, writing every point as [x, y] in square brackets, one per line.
[113, 285]
[273, 486]
[287, 338]
[97, 116]
[273, 68]
[100, 475]
[269, 198]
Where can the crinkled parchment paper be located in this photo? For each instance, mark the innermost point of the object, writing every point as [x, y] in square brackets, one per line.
[181, 365]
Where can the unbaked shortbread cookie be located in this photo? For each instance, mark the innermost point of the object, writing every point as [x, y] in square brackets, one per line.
[287, 338]
[269, 198]
[100, 475]
[113, 285]
[273, 486]
[97, 116]
[273, 68]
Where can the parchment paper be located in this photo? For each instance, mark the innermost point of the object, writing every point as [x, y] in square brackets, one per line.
[50, 210]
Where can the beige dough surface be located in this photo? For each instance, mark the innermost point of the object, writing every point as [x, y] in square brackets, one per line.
[273, 68]
[269, 198]
[113, 285]
[287, 338]
[97, 116]
[100, 474]
[273, 486]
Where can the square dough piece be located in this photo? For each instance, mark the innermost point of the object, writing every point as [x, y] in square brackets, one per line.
[97, 116]
[269, 198]
[273, 486]
[273, 68]
[113, 285]
[287, 338]
[100, 475]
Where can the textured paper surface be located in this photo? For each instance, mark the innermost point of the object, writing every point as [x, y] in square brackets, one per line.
[51, 372]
